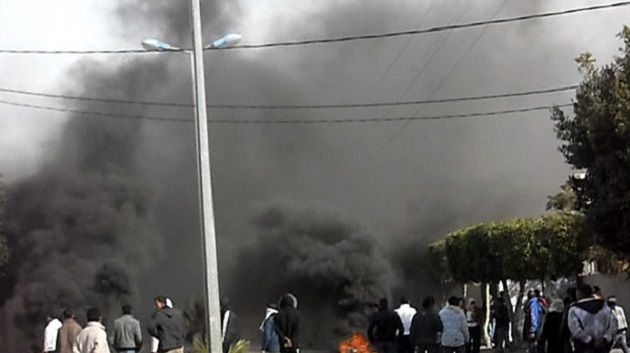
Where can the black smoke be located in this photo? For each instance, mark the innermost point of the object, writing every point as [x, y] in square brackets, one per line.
[328, 260]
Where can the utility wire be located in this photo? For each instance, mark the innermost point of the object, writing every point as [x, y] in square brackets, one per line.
[338, 39]
[288, 121]
[297, 106]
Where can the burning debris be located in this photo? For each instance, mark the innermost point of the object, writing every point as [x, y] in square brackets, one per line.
[357, 343]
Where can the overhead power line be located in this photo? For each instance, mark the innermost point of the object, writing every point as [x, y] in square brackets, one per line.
[339, 39]
[288, 121]
[296, 106]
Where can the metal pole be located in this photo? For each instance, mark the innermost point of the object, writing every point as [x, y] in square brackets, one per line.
[205, 185]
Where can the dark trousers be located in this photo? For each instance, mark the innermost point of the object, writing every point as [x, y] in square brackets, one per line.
[581, 347]
[386, 347]
[404, 344]
[427, 348]
[474, 346]
[461, 349]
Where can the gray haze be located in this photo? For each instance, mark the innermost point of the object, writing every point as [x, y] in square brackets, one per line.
[403, 188]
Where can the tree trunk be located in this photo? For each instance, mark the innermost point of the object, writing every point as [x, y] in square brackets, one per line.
[516, 330]
[465, 291]
[485, 299]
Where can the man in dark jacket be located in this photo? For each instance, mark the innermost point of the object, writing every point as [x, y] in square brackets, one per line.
[229, 327]
[385, 328]
[288, 324]
[167, 325]
[501, 319]
[426, 328]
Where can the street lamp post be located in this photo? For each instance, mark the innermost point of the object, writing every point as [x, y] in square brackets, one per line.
[207, 221]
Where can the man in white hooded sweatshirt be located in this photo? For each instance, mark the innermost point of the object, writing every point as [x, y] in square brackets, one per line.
[455, 327]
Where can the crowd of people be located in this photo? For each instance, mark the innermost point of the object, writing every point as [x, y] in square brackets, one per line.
[167, 330]
[584, 322]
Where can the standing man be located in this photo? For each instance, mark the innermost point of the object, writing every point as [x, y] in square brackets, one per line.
[270, 338]
[93, 338]
[288, 324]
[167, 325]
[622, 324]
[127, 334]
[532, 326]
[592, 324]
[229, 327]
[426, 329]
[68, 333]
[501, 319]
[384, 328]
[473, 320]
[455, 329]
[406, 313]
[50, 334]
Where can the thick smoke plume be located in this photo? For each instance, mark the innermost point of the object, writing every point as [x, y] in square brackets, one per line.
[81, 228]
[332, 263]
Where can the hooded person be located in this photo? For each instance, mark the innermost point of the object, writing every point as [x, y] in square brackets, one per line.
[270, 337]
[229, 326]
[288, 324]
[155, 342]
[167, 325]
[455, 333]
[592, 323]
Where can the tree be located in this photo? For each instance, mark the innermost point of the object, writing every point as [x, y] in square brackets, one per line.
[550, 246]
[596, 138]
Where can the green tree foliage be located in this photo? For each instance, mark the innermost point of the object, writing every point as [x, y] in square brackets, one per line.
[596, 138]
[551, 246]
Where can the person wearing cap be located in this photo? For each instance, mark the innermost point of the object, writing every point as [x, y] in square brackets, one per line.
[622, 324]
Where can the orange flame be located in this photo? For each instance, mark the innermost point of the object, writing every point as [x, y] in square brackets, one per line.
[357, 343]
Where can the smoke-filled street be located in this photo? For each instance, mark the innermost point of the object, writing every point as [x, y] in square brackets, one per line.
[350, 176]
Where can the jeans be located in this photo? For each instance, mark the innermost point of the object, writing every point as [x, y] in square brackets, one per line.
[500, 339]
[474, 346]
[127, 351]
[460, 349]
[622, 341]
[428, 348]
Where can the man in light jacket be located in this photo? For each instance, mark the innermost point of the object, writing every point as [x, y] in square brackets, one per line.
[127, 334]
[406, 314]
[592, 324]
[93, 338]
[50, 334]
[455, 328]
[68, 333]
[622, 324]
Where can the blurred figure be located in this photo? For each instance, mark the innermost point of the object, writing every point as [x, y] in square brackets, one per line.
[593, 325]
[229, 326]
[406, 313]
[288, 324]
[68, 333]
[565, 333]
[501, 319]
[127, 333]
[551, 338]
[454, 327]
[50, 334]
[426, 328]
[384, 328]
[270, 338]
[622, 324]
[597, 293]
[93, 338]
[532, 325]
[473, 319]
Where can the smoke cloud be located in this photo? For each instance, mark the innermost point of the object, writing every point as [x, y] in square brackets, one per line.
[89, 224]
